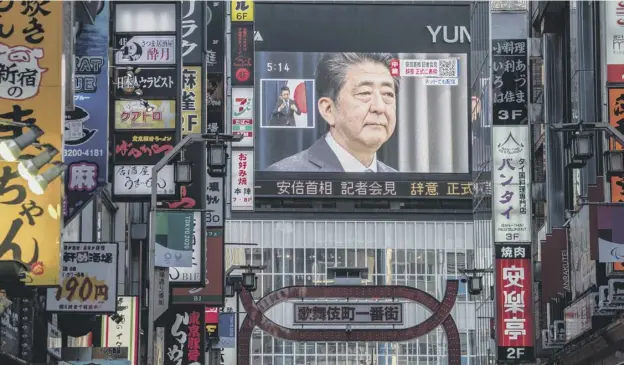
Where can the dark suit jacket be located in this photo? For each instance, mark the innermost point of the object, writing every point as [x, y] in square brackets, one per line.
[319, 157]
[284, 117]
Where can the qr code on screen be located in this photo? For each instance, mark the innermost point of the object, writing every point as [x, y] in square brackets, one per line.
[447, 68]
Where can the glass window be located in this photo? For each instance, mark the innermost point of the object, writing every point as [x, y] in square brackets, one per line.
[299, 279]
[300, 360]
[289, 280]
[267, 286]
[278, 360]
[321, 261]
[279, 346]
[331, 348]
[278, 282]
[289, 360]
[342, 348]
[352, 348]
[398, 266]
[310, 260]
[463, 337]
[278, 264]
[331, 257]
[310, 348]
[360, 258]
[300, 346]
[351, 257]
[341, 259]
[300, 260]
[257, 257]
[268, 360]
[248, 257]
[256, 360]
[321, 348]
[288, 260]
[471, 342]
[288, 348]
[267, 344]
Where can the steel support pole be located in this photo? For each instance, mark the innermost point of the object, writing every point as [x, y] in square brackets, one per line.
[591, 127]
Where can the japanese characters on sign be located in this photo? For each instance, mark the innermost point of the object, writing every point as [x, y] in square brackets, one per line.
[514, 298]
[145, 114]
[616, 119]
[215, 107]
[510, 84]
[162, 291]
[192, 274]
[212, 322]
[122, 331]
[242, 180]
[191, 100]
[242, 11]
[215, 200]
[215, 34]
[614, 40]
[145, 148]
[154, 83]
[364, 188]
[348, 313]
[242, 54]
[31, 90]
[88, 279]
[192, 32]
[133, 180]
[145, 49]
[243, 115]
[578, 316]
[511, 179]
[184, 336]
[86, 143]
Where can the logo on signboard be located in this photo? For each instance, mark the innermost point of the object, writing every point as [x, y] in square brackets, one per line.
[242, 105]
[619, 12]
[21, 71]
[510, 146]
[75, 131]
[242, 74]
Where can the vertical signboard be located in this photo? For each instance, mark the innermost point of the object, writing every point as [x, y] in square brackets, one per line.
[242, 54]
[174, 238]
[514, 303]
[192, 32]
[121, 330]
[511, 179]
[242, 191]
[510, 87]
[616, 119]
[191, 100]
[243, 115]
[185, 335]
[86, 127]
[215, 34]
[31, 94]
[194, 273]
[614, 40]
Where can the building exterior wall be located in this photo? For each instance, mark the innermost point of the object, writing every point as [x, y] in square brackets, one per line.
[418, 254]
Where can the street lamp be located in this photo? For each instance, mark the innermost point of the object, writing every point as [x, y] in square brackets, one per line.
[582, 146]
[217, 159]
[474, 278]
[614, 162]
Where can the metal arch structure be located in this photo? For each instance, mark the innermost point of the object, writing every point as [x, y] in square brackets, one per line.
[440, 315]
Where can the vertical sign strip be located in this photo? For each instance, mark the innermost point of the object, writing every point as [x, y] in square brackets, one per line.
[242, 54]
[242, 180]
[31, 208]
[510, 85]
[86, 127]
[514, 303]
[614, 40]
[243, 115]
[616, 120]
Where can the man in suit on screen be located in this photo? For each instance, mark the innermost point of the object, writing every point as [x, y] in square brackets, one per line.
[285, 108]
[357, 99]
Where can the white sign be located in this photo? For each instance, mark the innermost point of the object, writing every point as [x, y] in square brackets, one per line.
[124, 332]
[614, 32]
[137, 180]
[55, 341]
[190, 274]
[88, 279]
[162, 291]
[578, 317]
[146, 50]
[242, 180]
[511, 180]
[243, 115]
[215, 196]
[21, 73]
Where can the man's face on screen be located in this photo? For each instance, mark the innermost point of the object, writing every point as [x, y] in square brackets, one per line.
[364, 114]
[285, 95]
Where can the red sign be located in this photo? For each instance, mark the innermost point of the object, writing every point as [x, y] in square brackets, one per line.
[212, 315]
[514, 303]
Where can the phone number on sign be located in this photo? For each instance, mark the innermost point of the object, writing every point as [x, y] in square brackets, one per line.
[84, 153]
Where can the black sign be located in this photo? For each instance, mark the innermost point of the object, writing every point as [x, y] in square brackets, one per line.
[10, 328]
[242, 54]
[192, 32]
[214, 92]
[185, 335]
[191, 195]
[510, 87]
[512, 251]
[154, 83]
[365, 188]
[516, 354]
[215, 52]
[142, 147]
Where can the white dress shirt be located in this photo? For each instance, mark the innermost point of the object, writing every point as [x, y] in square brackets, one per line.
[348, 162]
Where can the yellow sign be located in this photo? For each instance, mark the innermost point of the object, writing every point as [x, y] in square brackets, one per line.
[31, 93]
[145, 114]
[191, 100]
[243, 11]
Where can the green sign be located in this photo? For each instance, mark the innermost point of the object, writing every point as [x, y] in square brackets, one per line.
[174, 238]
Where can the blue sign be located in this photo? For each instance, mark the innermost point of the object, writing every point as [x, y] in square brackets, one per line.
[86, 128]
[227, 331]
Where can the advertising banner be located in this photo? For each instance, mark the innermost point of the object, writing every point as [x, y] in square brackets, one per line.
[174, 238]
[242, 180]
[243, 11]
[412, 118]
[145, 114]
[142, 147]
[511, 149]
[192, 274]
[122, 330]
[86, 127]
[510, 62]
[514, 303]
[242, 54]
[192, 32]
[155, 83]
[55, 341]
[191, 100]
[212, 292]
[616, 119]
[184, 335]
[145, 49]
[215, 35]
[215, 199]
[88, 281]
[243, 115]
[610, 234]
[132, 181]
[614, 40]
[31, 92]
[215, 106]
[227, 331]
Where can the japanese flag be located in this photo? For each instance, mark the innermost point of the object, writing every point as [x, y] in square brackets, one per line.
[298, 94]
